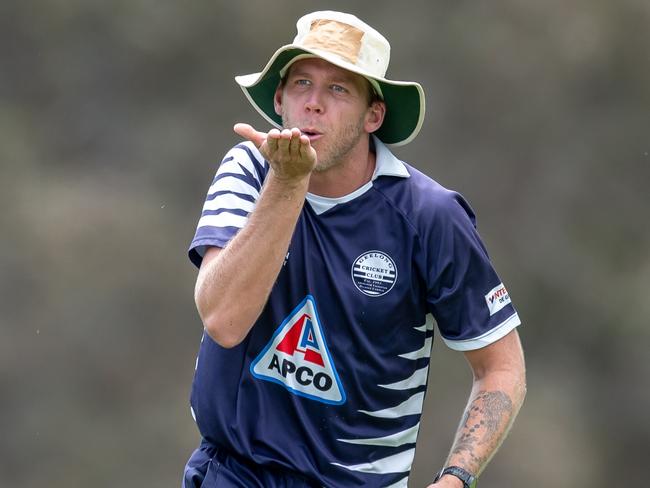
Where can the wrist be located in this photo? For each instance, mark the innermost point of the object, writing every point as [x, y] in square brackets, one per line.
[460, 477]
[291, 183]
[286, 188]
[450, 481]
[290, 175]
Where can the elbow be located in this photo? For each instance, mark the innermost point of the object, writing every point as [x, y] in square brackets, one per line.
[225, 341]
[223, 332]
[517, 382]
[218, 324]
[517, 379]
[227, 323]
[523, 386]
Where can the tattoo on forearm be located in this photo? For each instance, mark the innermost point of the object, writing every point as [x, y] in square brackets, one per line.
[483, 427]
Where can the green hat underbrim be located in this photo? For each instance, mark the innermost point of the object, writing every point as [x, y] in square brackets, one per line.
[405, 105]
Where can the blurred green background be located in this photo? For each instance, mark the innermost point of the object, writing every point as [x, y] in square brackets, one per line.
[113, 119]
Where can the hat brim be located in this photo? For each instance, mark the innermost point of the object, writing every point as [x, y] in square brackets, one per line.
[405, 103]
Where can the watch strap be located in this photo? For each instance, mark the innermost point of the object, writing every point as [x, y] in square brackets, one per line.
[468, 479]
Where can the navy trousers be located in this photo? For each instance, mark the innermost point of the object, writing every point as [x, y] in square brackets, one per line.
[212, 467]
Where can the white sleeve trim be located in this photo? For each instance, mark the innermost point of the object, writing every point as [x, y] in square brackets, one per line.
[224, 219]
[486, 339]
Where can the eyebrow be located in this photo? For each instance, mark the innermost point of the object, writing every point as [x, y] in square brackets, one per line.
[334, 79]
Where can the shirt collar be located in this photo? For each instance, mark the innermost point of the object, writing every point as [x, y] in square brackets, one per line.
[386, 164]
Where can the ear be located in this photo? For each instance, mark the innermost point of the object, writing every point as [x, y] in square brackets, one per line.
[277, 99]
[375, 116]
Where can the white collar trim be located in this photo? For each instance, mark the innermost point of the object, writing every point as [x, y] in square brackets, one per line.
[386, 163]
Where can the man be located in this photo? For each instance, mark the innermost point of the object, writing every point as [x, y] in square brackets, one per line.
[321, 255]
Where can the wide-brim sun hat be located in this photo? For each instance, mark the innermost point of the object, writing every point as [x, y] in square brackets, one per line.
[349, 43]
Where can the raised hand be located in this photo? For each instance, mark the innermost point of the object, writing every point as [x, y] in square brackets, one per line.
[289, 152]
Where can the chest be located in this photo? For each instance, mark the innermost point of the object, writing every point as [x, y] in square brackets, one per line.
[362, 268]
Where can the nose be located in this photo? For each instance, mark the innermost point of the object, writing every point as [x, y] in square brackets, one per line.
[314, 103]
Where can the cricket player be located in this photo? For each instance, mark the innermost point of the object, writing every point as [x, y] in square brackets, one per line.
[325, 264]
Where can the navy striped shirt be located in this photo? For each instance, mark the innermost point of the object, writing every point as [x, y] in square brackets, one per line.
[330, 381]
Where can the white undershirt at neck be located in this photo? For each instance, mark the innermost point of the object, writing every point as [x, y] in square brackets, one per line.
[386, 165]
[323, 204]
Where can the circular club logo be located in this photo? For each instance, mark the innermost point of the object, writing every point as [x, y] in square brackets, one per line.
[374, 273]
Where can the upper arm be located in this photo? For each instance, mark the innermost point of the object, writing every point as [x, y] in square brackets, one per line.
[506, 354]
[230, 199]
[465, 295]
[211, 253]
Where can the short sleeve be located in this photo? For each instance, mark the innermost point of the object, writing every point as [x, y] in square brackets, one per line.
[231, 198]
[464, 293]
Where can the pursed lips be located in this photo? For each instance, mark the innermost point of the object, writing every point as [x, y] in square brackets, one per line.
[312, 133]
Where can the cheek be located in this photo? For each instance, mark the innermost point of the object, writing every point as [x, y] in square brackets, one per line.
[289, 106]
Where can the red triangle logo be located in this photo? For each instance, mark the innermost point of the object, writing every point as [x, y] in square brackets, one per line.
[297, 357]
[300, 338]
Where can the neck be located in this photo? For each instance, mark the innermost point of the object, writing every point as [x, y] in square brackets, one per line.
[345, 177]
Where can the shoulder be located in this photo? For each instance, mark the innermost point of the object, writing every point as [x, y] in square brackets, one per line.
[244, 160]
[424, 201]
[245, 153]
[245, 150]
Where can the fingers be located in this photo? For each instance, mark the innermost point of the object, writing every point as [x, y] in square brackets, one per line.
[306, 151]
[284, 141]
[272, 141]
[289, 142]
[247, 132]
[286, 144]
[294, 145]
[289, 151]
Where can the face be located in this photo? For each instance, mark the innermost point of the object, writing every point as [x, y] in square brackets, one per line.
[330, 105]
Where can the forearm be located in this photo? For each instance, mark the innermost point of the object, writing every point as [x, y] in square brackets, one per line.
[492, 407]
[232, 289]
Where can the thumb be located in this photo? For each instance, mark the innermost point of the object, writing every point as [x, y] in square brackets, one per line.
[247, 132]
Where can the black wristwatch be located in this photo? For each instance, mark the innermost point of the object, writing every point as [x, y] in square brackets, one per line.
[468, 479]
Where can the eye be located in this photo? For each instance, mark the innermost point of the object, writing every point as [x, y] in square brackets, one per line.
[302, 82]
[339, 89]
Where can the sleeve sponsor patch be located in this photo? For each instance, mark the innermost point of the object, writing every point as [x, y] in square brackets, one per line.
[497, 298]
